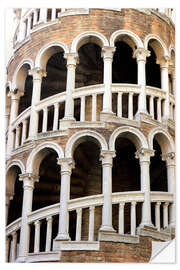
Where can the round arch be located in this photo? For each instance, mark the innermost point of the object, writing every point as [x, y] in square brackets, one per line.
[47, 51]
[18, 163]
[38, 153]
[19, 74]
[89, 36]
[132, 134]
[159, 40]
[163, 138]
[132, 37]
[78, 138]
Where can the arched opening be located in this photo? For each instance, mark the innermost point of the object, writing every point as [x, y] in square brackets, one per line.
[53, 61]
[153, 72]
[125, 177]
[24, 82]
[14, 192]
[86, 181]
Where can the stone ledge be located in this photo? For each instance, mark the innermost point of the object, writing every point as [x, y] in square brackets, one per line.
[154, 233]
[75, 245]
[43, 257]
[115, 237]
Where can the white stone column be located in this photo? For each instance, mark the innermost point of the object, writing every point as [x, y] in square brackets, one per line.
[152, 106]
[22, 30]
[82, 113]
[94, 97]
[165, 214]
[7, 248]
[43, 15]
[15, 97]
[121, 218]
[37, 74]
[157, 215]
[171, 178]
[56, 116]
[164, 64]
[53, 16]
[107, 161]
[144, 160]
[45, 119]
[48, 233]
[17, 137]
[141, 55]
[14, 246]
[133, 218]
[119, 104]
[28, 185]
[91, 223]
[78, 224]
[35, 17]
[29, 24]
[173, 76]
[159, 109]
[24, 131]
[66, 168]
[107, 54]
[130, 106]
[72, 60]
[37, 225]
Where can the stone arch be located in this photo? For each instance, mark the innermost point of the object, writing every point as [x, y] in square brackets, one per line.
[128, 37]
[38, 154]
[47, 51]
[163, 138]
[158, 46]
[132, 134]
[89, 36]
[78, 137]
[20, 74]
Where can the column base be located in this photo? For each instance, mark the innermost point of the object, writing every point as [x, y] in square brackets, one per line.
[106, 116]
[62, 237]
[143, 116]
[154, 233]
[66, 123]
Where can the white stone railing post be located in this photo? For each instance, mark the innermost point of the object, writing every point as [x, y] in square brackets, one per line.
[22, 30]
[119, 104]
[14, 246]
[94, 97]
[78, 224]
[152, 106]
[91, 223]
[72, 60]
[164, 64]
[130, 106]
[82, 112]
[66, 168]
[53, 15]
[43, 15]
[121, 218]
[8, 242]
[37, 225]
[24, 131]
[144, 160]
[28, 185]
[107, 54]
[159, 109]
[133, 218]
[107, 161]
[165, 214]
[56, 116]
[48, 233]
[29, 24]
[35, 17]
[17, 137]
[157, 215]
[140, 55]
[37, 74]
[45, 119]
[171, 178]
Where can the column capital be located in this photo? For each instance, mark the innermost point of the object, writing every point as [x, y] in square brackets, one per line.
[15, 94]
[72, 59]
[158, 204]
[49, 219]
[37, 73]
[165, 204]
[28, 180]
[163, 61]
[67, 164]
[107, 157]
[140, 54]
[108, 52]
[169, 158]
[144, 154]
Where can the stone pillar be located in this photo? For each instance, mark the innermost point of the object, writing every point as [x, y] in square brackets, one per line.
[22, 30]
[24, 131]
[165, 214]
[43, 15]
[29, 25]
[152, 106]
[164, 64]
[159, 109]
[17, 137]
[107, 161]
[78, 223]
[15, 97]
[91, 223]
[37, 74]
[119, 104]
[82, 113]
[130, 106]
[35, 17]
[171, 178]
[37, 224]
[14, 246]
[45, 119]
[141, 55]
[133, 218]
[53, 16]
[144, 160]
[72, 60]
[49, 233]
[28, 184]
[66, 168]
[157, 216]
[94, 98]
[107, 54]
[56, 116]
[121, 218]
[173, 76]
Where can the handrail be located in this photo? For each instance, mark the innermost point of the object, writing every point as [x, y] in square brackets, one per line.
[25, 114]
[161, 196]
[14, 226]
[155, 91]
